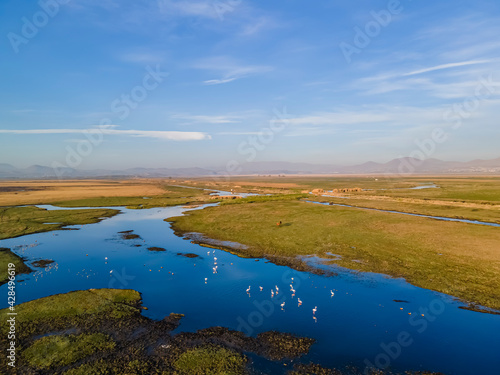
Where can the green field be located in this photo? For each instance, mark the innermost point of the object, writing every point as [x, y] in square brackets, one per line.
[7, 257]
[20, 221]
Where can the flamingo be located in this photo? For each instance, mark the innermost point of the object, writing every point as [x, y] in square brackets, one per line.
[315, 309]
[299, 301]
[331, 291]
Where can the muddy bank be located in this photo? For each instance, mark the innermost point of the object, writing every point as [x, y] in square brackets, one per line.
[188, 255]
[42, 263]
[129, 235]
[154, 248]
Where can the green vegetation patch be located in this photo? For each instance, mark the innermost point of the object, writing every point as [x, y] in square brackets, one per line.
[53, 351]
[7, 257]
[19, 221]
[210, 360]
[265, 198]
[73, 309]
[284, 345]
[114, 366]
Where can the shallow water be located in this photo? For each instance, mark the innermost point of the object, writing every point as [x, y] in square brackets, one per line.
[350, 327]
[409, 214]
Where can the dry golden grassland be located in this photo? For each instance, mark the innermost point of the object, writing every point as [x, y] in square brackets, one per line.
[15, 193]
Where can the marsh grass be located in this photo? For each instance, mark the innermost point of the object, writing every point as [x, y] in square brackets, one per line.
[61, 350]
[6, 257]
[210, 360]
[19, 221]
[75, 305]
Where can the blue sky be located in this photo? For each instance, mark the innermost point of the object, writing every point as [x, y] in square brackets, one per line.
[174, 83]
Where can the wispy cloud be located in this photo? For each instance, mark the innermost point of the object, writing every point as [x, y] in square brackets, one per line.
[220, 81]
[445, 66]
[388, 116]
[205, 9]
[207, 119]
[229, 69]
[158, 134]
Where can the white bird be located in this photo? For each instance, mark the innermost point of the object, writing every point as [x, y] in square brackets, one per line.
[315, 309]
[111, 271]
[261, 288]
[331, 291]
[208, 252]
[299, 301]
[215, 259]
[248, 290]
[206, 278]
[282, 305]
[106, 258]
[277, 289]
[272, 293]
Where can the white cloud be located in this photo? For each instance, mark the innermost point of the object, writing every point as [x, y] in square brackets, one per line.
[229, 69]
[381, 117]
[204, 9]
[446, 66]
[228, 119]
[219, 81]
[109, 130]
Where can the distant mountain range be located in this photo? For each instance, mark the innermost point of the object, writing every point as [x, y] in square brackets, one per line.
[396, 166]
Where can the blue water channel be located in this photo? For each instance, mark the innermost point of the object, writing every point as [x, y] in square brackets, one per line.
[357, 320]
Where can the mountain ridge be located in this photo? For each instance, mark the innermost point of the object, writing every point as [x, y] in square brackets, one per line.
[404, 165]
